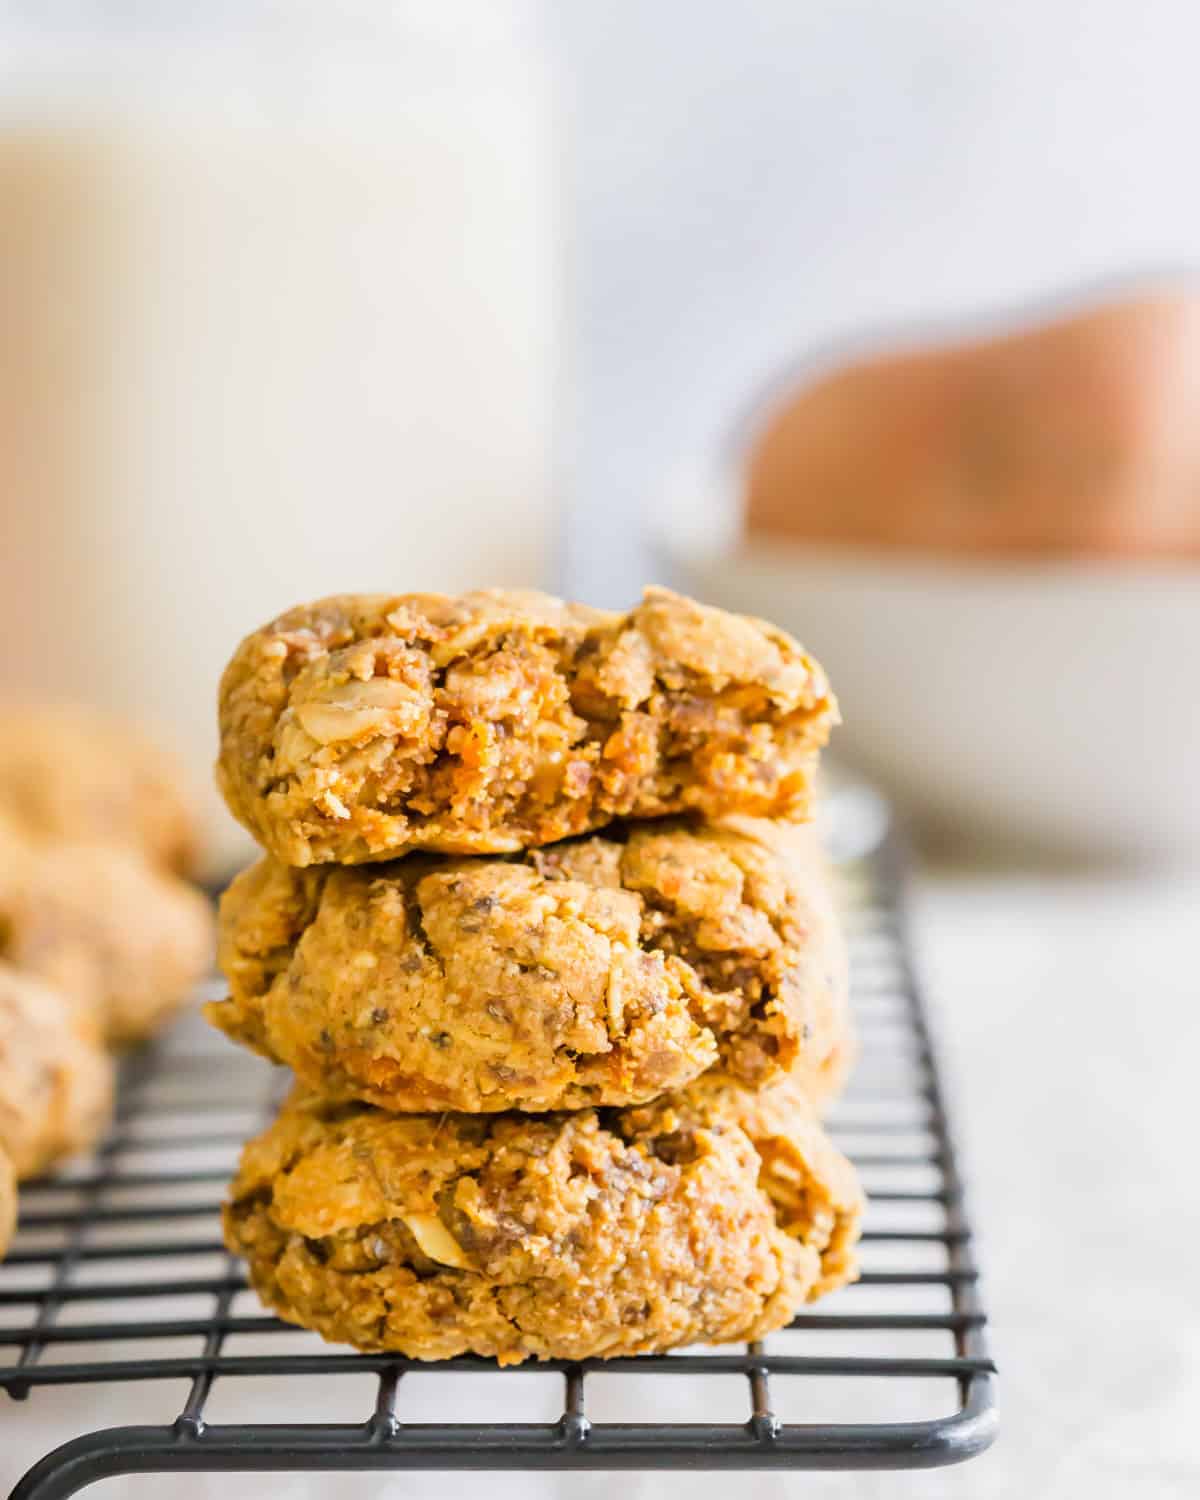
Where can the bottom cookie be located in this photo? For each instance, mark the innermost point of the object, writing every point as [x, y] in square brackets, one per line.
[707, 1216]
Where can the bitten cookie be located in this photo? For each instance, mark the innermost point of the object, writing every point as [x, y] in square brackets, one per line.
[363, 727]
[56, 1081]
[126, 941]
[69, 774]
[8, 1202]
[604, 970]
[708, 1216]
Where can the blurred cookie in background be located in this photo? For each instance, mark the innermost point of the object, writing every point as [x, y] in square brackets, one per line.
[56, 1080]
[70, 773]
[125, 941]
[8, 1202]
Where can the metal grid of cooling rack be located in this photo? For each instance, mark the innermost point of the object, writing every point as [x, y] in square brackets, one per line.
[893, 1372]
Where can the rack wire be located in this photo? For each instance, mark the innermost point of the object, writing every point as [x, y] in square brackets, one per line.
[121, 1258]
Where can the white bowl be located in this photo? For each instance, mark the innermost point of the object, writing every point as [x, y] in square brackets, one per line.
[1053, 705]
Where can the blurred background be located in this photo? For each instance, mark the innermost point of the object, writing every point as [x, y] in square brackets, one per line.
[864, 316]
[875, 317]
[279, 296]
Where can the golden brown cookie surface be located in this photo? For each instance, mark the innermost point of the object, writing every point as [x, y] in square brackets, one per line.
[66, 773]
[56, 1081]
[708, 1216]
[605, 970]
[8, 1202]
[363, 727]
[124, 940]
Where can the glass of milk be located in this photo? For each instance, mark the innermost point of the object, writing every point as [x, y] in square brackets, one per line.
[277, 293]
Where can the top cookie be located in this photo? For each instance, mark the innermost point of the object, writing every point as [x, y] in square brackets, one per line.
[365, 726]
[66, 773]
[8, 1202]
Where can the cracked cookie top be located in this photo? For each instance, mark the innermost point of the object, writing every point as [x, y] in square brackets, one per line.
[8, 1201]
[66, 773]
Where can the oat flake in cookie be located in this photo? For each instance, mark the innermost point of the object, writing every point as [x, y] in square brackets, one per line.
[363, 727]
[604, 970]
[708, 1216]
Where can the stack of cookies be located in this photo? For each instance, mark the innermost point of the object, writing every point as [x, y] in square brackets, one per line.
[543, 936]
[101, 937]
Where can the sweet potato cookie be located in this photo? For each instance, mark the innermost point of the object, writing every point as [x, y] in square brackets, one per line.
[126, 941]
[604, 970]
[711, 1216]
[8, 1202]
[363, 727]
[66, 773]
[56, 1081]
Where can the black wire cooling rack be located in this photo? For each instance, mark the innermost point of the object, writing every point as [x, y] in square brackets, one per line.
[120, 1260]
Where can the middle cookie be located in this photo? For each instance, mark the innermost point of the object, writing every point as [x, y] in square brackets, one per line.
[604, 970]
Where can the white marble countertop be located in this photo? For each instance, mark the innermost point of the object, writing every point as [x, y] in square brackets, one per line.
[1068, 1005]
